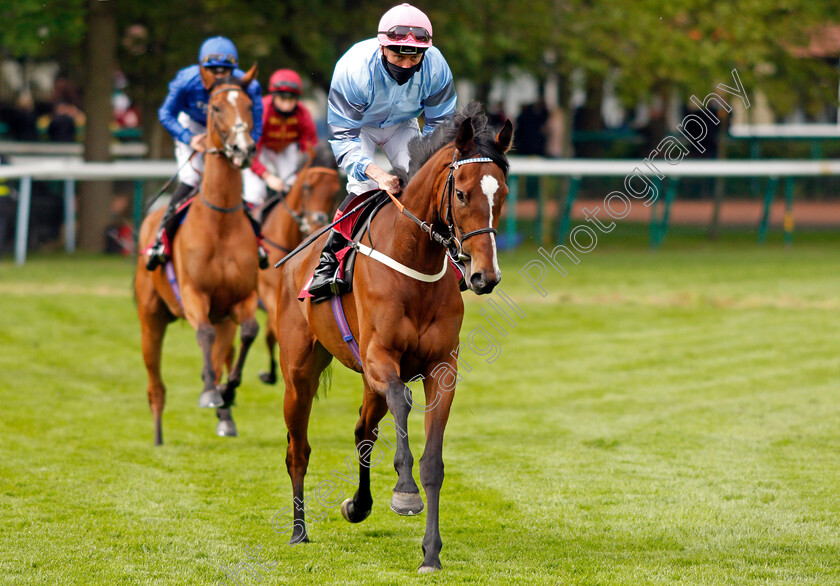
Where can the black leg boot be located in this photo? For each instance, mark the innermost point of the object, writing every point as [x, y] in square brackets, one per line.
[325, 282]
[157, 254]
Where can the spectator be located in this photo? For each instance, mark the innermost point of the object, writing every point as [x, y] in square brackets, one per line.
[7, 208]
[530, 130]
[23, 120]
[62, 126]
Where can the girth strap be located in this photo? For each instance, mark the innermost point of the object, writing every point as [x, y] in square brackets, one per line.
[344, 328]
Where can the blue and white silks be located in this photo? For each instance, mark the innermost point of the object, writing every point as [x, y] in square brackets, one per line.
[362, 94]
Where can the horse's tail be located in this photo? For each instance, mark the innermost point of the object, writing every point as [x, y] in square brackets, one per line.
[325, 380]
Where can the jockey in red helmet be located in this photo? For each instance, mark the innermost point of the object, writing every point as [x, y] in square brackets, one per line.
[288, 130]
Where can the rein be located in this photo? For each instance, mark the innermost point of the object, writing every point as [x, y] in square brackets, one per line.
[238, 127]
[451, 241]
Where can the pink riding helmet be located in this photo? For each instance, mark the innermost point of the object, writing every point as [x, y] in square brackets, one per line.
[402, 25]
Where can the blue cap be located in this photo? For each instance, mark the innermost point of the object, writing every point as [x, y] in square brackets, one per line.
[218, 52]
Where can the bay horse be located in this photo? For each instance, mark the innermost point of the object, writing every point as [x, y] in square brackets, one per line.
[307, 207]
[215, 260]
[405, 328]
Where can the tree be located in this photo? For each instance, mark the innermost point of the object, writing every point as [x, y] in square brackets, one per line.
[100, 64]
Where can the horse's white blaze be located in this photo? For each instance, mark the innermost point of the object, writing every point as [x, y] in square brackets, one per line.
[239, 126]
[490, 186]
[232, 97]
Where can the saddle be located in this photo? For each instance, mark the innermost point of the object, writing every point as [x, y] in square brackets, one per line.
[353, 227]
[172, 224]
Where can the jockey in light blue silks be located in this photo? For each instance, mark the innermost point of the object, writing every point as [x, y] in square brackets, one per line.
[184, 115]
[379, 88]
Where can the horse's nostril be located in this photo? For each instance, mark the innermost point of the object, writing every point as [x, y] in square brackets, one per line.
[477, 281]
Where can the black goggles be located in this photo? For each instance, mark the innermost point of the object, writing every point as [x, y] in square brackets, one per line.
[285, 95]
[219, 69]
[400, 33]
[217, 58]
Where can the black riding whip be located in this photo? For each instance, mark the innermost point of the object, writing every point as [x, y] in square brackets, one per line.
[166, 185]
[312, 238]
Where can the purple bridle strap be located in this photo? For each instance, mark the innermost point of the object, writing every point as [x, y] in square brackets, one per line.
[341, 320]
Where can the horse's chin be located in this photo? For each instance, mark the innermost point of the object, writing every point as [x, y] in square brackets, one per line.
[241, 162]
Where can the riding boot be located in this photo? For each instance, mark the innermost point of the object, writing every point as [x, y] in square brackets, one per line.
[257, 226]
[325, 280]
[156, 253]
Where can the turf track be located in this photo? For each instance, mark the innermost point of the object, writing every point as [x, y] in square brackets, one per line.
[667, 417]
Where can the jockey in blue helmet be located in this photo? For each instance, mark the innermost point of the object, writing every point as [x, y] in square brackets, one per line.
[184, 115]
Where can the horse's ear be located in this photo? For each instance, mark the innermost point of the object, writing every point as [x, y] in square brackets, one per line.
[250, 76]
[464, 138]
[505, 137]
[207, 78]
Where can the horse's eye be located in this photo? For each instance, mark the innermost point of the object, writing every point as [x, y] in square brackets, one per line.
[215, 109]
[460, 195]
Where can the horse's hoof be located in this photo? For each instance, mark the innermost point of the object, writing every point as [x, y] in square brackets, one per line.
[268, 378]
[407, 503]
[349, 512]
[210, 399]
[298, 540]
[226, 428]
[427, 569]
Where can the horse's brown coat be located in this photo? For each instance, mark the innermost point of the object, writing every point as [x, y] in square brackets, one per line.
[214, 256]
[404, 327]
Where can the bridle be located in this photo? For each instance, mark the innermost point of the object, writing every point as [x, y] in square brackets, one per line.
[227, 148]
[305, 220]
[449, 241]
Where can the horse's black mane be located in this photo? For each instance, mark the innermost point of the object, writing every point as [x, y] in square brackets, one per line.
[422, 148]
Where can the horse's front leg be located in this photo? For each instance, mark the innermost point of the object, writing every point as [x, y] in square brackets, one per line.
[223, 359]
[373, 408]
[244, 314]
[439, 385]
[382, 373]
[197, 309]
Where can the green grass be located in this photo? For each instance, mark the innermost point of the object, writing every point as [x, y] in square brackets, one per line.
[667, 417]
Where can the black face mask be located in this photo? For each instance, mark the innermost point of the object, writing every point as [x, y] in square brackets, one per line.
[401, 75]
